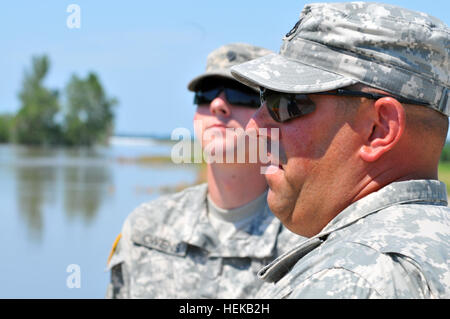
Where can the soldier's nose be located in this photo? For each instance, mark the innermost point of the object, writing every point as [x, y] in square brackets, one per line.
[261, 119]
[219, 106]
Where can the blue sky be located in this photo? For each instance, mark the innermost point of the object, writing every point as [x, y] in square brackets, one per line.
[145, 52]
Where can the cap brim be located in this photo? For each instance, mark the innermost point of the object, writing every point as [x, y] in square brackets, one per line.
[218, 73]
[275, 72]
[192, 86]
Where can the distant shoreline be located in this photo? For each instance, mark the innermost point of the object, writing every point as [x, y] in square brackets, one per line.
[159, 137]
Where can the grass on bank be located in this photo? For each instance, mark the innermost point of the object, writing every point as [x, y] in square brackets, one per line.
[444, 174]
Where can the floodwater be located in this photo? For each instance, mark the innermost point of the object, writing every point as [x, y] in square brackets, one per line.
[61, 210]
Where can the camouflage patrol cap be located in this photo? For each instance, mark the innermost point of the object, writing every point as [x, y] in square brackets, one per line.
[333, 45]
[220, 61]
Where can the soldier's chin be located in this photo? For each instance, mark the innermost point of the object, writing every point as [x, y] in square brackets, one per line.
[281, 208]
[275, 205]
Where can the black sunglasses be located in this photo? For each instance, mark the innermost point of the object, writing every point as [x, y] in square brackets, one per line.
[236, 94]
[283, 107]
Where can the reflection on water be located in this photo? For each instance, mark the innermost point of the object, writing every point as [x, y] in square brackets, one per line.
[34, 187]
[80, 176]
[84, 190]
[66, 206]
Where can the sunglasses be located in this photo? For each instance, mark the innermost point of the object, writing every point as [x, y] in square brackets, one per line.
[236, 94]
[283, 107]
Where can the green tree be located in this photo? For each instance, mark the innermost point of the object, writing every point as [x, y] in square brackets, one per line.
[35, 122]
[6, 124]
[445, 155]
[89, 112]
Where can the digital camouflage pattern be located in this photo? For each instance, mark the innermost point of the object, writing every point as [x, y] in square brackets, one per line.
[219, 61]
[169, 249]
[334, 45]
[393, 243]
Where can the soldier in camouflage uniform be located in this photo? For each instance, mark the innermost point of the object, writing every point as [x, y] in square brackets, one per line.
[360, 93]
[210, 240]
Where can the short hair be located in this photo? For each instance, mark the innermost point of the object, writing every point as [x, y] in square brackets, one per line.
[420, 120]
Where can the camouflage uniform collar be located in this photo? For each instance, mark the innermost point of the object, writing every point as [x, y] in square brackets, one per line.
[258, 240]
[406, 192]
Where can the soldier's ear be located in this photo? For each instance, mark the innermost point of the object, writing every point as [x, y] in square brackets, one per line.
[383, 128]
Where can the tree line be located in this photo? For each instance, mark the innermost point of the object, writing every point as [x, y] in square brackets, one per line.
[445, 156]
[80, 114]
